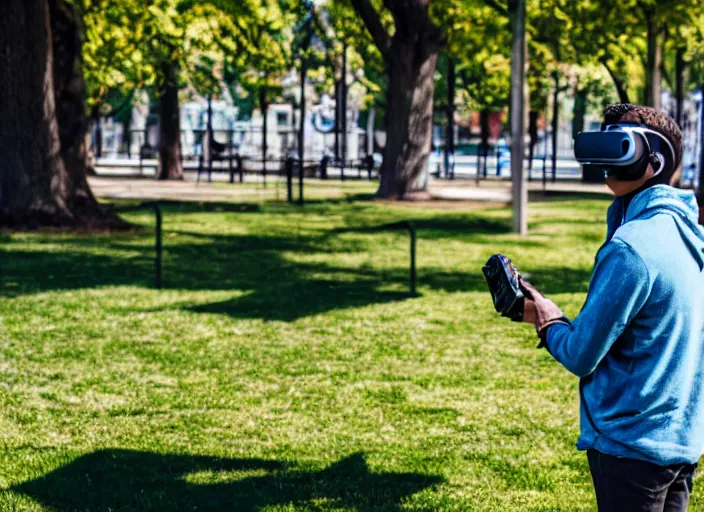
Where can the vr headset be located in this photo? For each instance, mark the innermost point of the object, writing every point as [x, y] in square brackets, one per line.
[624, 151]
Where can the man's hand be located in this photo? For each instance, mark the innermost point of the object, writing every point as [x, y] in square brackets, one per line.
[537, 309]
[529, 311]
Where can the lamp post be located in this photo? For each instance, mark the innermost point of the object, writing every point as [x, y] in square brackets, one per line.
[307, 26]
[555, 122]
[517, 10]
[264, 107]
[343, 110]
[301, 135]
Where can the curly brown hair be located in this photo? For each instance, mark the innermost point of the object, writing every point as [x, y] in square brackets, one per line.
[654, 119]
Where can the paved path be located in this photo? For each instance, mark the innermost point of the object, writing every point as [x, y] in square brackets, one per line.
[253, 190]
[501, 190]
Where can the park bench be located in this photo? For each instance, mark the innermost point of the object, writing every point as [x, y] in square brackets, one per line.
[220, 152]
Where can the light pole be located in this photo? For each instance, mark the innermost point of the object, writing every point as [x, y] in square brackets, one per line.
[343, 110]
[301, 135]
[555, 122]
[264, 107]
[307, 26]
[517, 10]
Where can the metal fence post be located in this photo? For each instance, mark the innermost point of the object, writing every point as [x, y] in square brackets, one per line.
[158, 240]
[158, 247]
[412, 232]
[289, 179]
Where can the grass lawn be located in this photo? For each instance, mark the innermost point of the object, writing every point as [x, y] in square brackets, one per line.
[285, 367]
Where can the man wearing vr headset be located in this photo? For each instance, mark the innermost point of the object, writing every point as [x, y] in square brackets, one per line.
[638, 343]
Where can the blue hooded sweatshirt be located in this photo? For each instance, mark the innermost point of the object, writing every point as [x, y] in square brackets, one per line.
[638, 343]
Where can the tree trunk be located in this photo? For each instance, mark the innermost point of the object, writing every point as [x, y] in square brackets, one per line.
[126, 136]
[580, 110]
[42, 121]
[533, 133]
[70, 95]
[93, 136]
[450, 128]
[484, 132]
[411, 57]
[619, 82]
[679, 84]
[264, 109]
[338, 117]
[653, 65]
[411, 64]
[170, 166]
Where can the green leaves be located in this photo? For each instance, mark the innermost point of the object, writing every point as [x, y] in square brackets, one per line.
[252, 43]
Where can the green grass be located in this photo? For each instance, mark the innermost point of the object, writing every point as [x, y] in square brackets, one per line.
[284, 365]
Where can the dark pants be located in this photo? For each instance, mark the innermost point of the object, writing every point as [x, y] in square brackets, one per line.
[628, 485]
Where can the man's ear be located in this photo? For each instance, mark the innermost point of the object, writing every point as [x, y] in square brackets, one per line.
[675, 180]
[649, 173]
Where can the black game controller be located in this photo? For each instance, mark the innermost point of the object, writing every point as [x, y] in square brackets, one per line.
[504, 284]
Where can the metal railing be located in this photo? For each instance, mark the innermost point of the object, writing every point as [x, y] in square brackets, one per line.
[408, 225]
[158, 247]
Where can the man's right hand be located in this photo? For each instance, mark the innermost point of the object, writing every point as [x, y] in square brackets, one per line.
[537, 309]
[528, 311]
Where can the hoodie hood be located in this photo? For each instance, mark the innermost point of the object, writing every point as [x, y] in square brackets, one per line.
[681, 205]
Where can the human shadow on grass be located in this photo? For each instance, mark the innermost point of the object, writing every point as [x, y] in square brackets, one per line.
[133, 480]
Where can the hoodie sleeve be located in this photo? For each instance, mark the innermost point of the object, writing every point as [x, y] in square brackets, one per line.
[618, 290]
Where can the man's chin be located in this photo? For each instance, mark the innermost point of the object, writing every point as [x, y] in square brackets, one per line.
[622, 188]
[618, 187]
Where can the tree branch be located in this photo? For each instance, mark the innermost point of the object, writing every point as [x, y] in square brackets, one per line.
[494, 4]
[466, 81]
[371, 19]
[618, 82]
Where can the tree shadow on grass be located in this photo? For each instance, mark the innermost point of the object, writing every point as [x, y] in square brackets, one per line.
[301, 299]
[304, 297]
[268, 281]
[445, 226]
[570, 196]
[132, 480]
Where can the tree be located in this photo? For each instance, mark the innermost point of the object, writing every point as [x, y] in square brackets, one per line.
[160, 46]
[479, 42]
[165, 38]
[620, 34]
[42, 120]
[410, 56]
[258, 46]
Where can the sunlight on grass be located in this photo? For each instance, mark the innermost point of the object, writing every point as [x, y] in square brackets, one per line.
[285, 367]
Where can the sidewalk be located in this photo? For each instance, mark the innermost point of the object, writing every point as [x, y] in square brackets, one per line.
[254, 190]
[500, 191]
